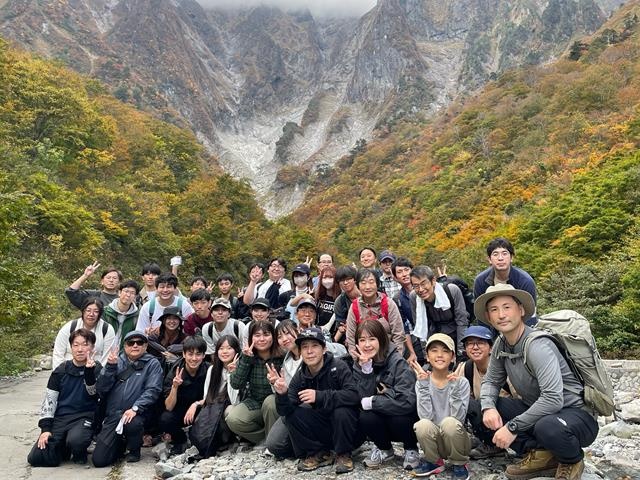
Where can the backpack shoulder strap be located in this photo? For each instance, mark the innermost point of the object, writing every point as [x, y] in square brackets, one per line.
[449, 295]
[468, 372]
[236, 328]
[180, 299]
[152, 308]
[384, 306]
[105, 329]
[356, 309]
[73, 326]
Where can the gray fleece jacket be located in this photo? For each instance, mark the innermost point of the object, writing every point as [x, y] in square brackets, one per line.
[552, 387]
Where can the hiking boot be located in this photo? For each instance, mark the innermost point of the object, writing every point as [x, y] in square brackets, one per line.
[570, 471]
[537, 463]
[486, 451]
[461, 472]
[378, 457]
[411, 459]
[424, 468]
[313, 462]
[133, 456]
[344, 463]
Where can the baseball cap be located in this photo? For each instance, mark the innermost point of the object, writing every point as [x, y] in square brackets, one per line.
[442, 338]
[312, 333]
[221, 302]
[386, 255]
[477, 331]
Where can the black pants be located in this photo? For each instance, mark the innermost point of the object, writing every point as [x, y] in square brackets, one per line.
[110, 445]
[70, 435]
[384, 429]
[565, 433]
[315, 430]
[173, 423]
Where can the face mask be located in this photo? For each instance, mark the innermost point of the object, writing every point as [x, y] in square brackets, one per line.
[327, 283]
[300, 280]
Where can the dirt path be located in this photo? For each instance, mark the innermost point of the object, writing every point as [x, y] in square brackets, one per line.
[20, 400]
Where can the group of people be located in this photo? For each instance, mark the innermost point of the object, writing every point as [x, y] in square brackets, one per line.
[315, 366]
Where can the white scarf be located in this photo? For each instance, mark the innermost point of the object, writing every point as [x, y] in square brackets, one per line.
[421, 329]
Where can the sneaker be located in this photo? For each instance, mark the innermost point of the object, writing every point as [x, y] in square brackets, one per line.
[537, 463]
[460, 472]
[133, 457]
[570, 471]
[486, 451]
[411, 459]
[424, 468]
[378, 457]
[313, 462]
[344, 463]
[177, 449]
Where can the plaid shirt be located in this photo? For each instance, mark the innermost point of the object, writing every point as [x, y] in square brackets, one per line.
[390, 286]
[251, 373]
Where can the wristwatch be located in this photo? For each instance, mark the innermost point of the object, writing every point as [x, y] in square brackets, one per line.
[135, 408]
[512, 426]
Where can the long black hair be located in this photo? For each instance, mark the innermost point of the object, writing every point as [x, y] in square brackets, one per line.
[218, 366]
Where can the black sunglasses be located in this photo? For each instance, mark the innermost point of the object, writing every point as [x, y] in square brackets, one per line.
[131, 343]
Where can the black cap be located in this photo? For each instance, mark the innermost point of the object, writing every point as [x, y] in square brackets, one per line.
[312, 333]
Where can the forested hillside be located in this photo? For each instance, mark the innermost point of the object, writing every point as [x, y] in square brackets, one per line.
[84, 177]
[546, 156]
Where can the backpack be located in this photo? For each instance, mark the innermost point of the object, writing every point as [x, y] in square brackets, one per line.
[236, 328]
[571, 333]
[74, 325]
[467, 294]
[384, 307]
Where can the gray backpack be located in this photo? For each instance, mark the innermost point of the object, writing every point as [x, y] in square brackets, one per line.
[572, 334]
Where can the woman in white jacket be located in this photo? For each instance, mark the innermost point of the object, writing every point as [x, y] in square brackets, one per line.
[91, 313]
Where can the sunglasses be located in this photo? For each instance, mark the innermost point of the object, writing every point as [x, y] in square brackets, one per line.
[131, 343]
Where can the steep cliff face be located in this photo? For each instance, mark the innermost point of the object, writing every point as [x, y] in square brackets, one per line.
[278, 95]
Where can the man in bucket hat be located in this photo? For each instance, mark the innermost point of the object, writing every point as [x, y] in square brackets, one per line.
[550, 422]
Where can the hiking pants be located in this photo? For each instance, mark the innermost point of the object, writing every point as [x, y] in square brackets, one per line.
[253, 425]
[110, 445]
[565, 433]
[70, 435]
[316, 430]
[449, 440]
[384, 429]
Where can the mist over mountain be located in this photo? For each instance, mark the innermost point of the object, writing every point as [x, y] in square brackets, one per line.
[326, 8]
[280, 95]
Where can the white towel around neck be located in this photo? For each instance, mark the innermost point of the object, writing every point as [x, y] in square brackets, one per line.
[421, 329]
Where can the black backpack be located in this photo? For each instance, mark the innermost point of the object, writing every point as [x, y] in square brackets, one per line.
[467, 294]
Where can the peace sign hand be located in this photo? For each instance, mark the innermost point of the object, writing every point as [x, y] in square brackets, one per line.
[91, 269]
[272, 373]
[231, 367]
[113, 356]
[91, 359]
[177, 380]
[363, 358]
[308, 261]
[420, 372]
[276, 379]
[248, 349]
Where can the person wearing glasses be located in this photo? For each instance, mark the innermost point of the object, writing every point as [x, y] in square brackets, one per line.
[131, 383]
[271, 288]
[437, 308]
[500, 255]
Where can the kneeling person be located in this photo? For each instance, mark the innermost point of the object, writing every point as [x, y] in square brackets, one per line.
[68, 407]
[320, 405]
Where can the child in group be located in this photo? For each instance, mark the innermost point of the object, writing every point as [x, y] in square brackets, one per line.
[210, 431]
[443, 399]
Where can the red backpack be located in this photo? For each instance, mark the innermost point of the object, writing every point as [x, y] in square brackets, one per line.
[384, 308]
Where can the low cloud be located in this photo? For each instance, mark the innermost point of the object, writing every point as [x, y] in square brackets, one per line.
[319, 8]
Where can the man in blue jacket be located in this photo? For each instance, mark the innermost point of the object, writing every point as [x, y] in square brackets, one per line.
[130, 384]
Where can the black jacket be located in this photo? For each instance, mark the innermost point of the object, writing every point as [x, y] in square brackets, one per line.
[334, 387]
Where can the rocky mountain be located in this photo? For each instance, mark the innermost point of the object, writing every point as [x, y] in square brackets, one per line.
[279, 95]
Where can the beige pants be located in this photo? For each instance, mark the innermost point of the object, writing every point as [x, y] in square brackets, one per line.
[252, 425]
[449, 440]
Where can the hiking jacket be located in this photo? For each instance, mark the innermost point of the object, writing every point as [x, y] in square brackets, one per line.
[334, 386]
[392, 325]
[399, 396]
[122, 323]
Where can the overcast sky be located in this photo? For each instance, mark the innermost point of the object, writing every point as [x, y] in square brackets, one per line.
[332, 8]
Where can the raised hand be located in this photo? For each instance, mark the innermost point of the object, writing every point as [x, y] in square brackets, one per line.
[91, 359]
[420, 372]
[276, 379]
[231, 367]
[256, 274]
[362, 358]
[177, 380]
[308, 261]
[91, 269]
[248, 350]
[113, 356]
[452, 377]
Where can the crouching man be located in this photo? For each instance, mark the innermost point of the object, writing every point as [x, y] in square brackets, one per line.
[131, 384]
[69, 405]
[320, 405]
[550, 423]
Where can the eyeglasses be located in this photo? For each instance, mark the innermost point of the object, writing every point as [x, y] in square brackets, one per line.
[500, 253]
[131, 343]
[423, 285]
[347, 280]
